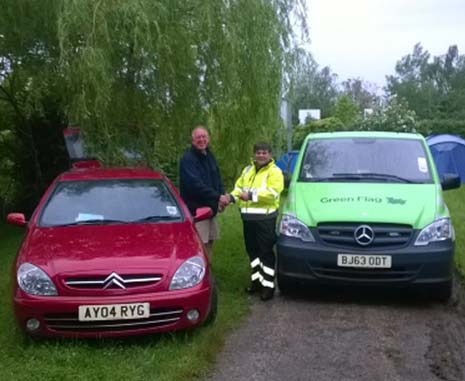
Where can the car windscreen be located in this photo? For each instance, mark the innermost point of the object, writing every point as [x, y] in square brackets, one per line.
[365, 160]
[110, 201]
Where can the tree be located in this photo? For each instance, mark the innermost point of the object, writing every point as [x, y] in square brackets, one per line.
[139, 75]
[362, 93]
[347, 111]
[395, 116]
[311, 87]
[433, 87]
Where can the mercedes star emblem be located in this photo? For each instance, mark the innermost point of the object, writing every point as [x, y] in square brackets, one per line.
[364, 235]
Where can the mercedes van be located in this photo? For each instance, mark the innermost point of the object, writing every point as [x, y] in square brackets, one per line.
[366, 208]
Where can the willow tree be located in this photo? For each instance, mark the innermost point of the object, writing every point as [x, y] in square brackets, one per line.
[140, 74]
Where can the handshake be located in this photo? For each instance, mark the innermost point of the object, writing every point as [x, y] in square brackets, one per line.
[226, 199]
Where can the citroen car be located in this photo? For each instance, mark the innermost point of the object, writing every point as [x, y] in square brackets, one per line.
[366, 208]
[111, 252]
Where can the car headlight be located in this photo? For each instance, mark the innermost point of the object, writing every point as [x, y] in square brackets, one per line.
[439, 230]
[35, 281]
[292, 227]
[189, 274]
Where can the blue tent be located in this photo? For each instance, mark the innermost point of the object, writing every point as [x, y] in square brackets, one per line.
[287, 162]
[448, 153]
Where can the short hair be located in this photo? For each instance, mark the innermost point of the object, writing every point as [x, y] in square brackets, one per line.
[262, 146]
[200, 127]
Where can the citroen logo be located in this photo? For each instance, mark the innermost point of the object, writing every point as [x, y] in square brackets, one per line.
[364, 235]
[113, 279]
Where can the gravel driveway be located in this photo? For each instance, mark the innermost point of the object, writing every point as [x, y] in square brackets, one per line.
[347, 335]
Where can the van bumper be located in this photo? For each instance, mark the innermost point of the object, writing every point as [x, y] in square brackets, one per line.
[411, 265]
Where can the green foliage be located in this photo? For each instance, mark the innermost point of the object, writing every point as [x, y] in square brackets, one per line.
[311, 87]
[362, 93]
[441, 126]
[454, 199]
[30, 89]
[323, 125]
[139, 76]
[434, 87]
[347, 111]
[395, 116]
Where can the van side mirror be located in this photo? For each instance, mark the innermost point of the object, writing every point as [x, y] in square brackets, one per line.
[450, 181]
[203, 213]
[287, 179]
[17, 219]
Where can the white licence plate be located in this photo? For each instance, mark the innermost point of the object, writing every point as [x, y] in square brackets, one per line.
[368, 261]
[114, 311]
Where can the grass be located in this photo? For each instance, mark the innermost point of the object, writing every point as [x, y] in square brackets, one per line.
[455, 201]
[176, 356]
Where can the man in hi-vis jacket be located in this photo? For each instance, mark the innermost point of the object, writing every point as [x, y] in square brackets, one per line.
[257, 192]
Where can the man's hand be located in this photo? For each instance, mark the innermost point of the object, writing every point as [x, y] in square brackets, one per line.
[223, 202]
[245, 196]
[224, 199]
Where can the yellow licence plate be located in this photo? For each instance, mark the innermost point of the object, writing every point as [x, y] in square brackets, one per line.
[114, 311]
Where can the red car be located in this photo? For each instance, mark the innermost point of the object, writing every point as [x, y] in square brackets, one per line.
[111, 252]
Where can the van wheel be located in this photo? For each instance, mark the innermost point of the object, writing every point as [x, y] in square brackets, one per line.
[286, 285]
[442, 292]
[211, 317]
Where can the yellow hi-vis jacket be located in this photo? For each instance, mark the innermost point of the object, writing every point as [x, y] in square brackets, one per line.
[264, 186]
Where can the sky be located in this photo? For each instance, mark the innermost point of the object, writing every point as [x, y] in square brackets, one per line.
[365, 38]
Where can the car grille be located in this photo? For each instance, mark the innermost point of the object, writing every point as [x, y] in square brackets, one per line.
[70, 322]
[113, 281]
[397, 273]
[385, 235]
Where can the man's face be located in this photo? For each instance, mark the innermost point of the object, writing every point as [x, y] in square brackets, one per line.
[262, 157]
[200, 139]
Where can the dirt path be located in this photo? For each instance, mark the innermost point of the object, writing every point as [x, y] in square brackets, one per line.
[347, 335]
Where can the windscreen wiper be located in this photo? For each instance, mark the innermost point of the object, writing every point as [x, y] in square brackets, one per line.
[156, 218]
[97, 221]
[373, 175]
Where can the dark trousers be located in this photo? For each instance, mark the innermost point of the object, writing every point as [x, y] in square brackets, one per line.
[260, 237]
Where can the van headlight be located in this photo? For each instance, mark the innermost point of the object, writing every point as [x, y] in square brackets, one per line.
[439, 230]
[34, 281]
[292, 227]
[189, 274]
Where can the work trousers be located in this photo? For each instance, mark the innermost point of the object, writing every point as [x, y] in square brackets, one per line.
[260, 237]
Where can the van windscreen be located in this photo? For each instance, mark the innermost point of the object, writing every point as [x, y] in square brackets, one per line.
[365, 160]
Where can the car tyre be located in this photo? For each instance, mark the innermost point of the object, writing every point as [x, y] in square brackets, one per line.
[211, 317]
[442, 292]
[286, 285]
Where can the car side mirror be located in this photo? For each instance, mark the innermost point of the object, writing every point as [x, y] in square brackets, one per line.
[17, 219]
[450, 181]
[203, 213]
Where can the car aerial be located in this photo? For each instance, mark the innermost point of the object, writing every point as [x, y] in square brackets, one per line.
[111, 252]
[366, 208]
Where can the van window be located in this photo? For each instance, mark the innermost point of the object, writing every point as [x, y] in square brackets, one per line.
[365, 160]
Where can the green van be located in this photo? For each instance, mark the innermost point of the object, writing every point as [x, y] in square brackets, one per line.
[366, 208]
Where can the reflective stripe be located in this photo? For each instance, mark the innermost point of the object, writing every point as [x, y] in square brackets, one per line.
[256, 276]
[266, 283]
[255, 262]
[268, 270]
[257, 210]
[273, 192]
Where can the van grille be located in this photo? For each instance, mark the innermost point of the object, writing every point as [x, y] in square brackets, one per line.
[385, 235]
